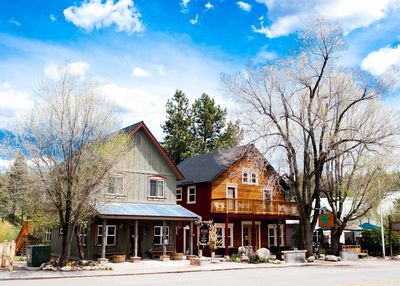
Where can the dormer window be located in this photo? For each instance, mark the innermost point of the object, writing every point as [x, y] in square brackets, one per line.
[157, 187]
[254, 178]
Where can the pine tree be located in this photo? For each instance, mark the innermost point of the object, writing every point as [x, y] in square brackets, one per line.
[16, 186]
[210, 128]
[178, 140]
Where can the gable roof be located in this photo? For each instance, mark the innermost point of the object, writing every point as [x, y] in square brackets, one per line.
[134, 128]
[207, 167]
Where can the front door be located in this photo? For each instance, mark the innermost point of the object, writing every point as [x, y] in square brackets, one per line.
[248, 234]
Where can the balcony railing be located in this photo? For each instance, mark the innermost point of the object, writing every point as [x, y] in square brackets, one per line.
[252, 206]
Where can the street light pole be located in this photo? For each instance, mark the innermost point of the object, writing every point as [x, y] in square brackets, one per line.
[382, 230]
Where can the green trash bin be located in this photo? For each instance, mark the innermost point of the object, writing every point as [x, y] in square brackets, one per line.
[38, 254]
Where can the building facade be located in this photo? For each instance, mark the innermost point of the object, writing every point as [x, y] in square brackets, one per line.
[244, 197]
[137, 213]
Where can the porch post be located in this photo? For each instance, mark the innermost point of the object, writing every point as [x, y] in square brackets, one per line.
[226, 235]
[164, 237]
[104, 239]
[135, 252]
[191, 238]
[253, 235]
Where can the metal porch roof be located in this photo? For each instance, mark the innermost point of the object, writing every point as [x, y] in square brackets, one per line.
[150, 211]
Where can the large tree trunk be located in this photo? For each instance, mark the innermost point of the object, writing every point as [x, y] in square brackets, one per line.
[306, 235]
[335, 241]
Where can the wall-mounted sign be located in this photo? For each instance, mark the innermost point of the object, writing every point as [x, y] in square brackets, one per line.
[326, 220]
[204, 235]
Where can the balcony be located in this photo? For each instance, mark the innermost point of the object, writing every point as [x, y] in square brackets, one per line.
[249, 206]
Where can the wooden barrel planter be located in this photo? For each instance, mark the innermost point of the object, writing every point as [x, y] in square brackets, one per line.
[118, 258]
[177, 256]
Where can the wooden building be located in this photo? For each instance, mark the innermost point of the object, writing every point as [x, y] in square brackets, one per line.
[242, 194]
[137, 208]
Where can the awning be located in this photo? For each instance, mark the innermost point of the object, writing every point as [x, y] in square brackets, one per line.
[369, 226]
[144, 211]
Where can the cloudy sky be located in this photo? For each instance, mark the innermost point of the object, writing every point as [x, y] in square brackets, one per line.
[141, 51]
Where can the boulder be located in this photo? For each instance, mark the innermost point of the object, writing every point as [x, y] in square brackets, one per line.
[66, 268]
[332, 258]
[311, 259]
[49, 267]
[245, 250]
[263, 253]
[244, 258]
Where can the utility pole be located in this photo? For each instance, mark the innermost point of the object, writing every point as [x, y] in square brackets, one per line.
[382, 228]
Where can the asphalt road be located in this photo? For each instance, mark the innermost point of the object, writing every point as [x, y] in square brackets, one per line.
[363, 274]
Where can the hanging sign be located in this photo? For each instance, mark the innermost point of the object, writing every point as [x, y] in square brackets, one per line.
[204, 234]
[326, 220]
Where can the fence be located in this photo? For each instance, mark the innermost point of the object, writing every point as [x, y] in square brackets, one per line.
[7, 252]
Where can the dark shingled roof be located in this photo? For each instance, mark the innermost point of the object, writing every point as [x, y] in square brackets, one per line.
[207, 167]
[132, 127]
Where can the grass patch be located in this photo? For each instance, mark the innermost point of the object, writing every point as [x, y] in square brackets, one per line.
[8, 231]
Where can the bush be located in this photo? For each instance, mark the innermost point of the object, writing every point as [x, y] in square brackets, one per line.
[372, 241]
[8, 231]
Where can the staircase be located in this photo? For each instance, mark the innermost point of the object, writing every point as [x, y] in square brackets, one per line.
[22, 240]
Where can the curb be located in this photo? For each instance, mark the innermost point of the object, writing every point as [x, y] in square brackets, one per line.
[170, 272]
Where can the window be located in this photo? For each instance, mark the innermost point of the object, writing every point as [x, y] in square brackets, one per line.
[249, 177]
[245, 177]
[254, 178]
[191, 195]
[111, 234]
[115, 185]
[156, 188]
[158, 235]
[179, 194]
[273, 235]
[47, 235]
[267, 195]
[83, 236]
[220, 229]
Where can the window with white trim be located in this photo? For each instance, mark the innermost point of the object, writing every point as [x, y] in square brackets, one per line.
[158, 235]
[115, 185]
[273, 235]
[47, 235]
[220, 230]
[254, 178]
[111, 235]
[191, 195]
[179, 194]
[245, 176]
[157, 187]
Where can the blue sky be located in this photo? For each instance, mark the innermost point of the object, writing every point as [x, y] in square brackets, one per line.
[141, 51]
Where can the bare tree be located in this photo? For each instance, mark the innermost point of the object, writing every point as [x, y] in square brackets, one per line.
[68, 139]
[303, 108]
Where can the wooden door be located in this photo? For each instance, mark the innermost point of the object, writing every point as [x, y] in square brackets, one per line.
[248, 234]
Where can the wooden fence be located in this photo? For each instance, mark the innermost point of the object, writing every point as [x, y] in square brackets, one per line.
[7, 252]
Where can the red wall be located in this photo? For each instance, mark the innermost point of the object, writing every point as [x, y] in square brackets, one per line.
[202, 206]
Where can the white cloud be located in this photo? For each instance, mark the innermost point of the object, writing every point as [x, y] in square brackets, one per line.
[244, 6]
[208, 6]
[184, 6]
[264, 55]
[380, 61]
[139, 72]
[14, 22]
[13, 104]
[52, 18]
[195, 20]
[288, 17]
[95, 14]
[5, 164]
[161, 69]
[78, 68]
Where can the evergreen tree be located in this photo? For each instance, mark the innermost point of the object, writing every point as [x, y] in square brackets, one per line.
[16, 186]
[197, 130]
[209, 126]
[178, 140]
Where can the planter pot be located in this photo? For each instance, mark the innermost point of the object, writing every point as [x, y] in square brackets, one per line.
[189, 257]
[164, 258]
[119, 258]
[136, 259]
[177, 256]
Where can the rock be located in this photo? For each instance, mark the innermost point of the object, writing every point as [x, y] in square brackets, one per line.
[311, 259]
[50, 267]
[245, 250]
[66, 268]
[244, 258]
[263, 253]
[332, 258]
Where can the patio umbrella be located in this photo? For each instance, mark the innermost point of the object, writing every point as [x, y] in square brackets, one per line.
[369, 226]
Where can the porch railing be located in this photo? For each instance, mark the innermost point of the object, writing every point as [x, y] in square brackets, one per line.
[253, 206]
